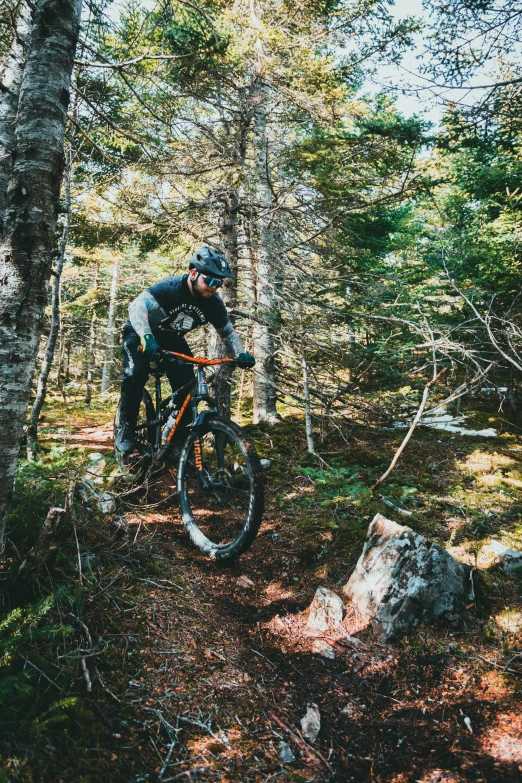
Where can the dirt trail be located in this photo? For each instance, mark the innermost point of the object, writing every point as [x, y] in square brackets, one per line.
[217, 692]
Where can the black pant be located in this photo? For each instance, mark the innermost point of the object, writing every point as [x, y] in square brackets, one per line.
[136, 368]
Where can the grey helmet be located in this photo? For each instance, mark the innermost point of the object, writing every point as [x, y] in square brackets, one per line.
[210, 262]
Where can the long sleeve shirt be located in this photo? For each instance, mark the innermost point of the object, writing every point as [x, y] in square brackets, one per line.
[168, 307]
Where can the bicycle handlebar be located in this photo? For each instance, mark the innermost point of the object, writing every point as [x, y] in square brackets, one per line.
[192, 359]
[198, 360]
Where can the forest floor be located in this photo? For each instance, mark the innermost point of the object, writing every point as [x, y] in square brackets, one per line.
[201, 672]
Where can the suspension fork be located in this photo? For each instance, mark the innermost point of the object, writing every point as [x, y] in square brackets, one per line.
[158, 411]
[202, 394]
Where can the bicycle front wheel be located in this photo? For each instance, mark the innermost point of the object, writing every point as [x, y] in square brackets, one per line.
[220, 489]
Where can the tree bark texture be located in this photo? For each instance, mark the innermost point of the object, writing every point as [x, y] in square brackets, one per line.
[306, 392]
[10, 83]
[91, 349]
[229, 237]
[41, 388]
[109, 340]
[263, 334]
[32, 203]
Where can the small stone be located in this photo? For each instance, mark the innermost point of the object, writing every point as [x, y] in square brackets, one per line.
[244, 581]
[120, 526]
[320, 647]
[106, 503]
[507, 558]
[348, 710]
[311, 723]
[353, 641]
[265, 463]
[96, 457]
[285, 753]
[326, 610]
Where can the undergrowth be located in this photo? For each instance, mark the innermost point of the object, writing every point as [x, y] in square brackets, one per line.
[50, 727]
[53, 726]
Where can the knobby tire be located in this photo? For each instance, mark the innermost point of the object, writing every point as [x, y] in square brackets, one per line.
[222, 511]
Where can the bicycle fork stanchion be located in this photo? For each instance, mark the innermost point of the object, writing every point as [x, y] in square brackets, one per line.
[157, 437]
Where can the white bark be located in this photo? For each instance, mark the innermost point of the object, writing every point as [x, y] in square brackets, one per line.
[41, 388]
[306, 390]
[32, 202]
[109, 340]
[248, 266]
[10, 83]
[91, 349]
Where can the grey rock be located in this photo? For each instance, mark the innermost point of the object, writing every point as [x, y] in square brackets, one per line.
[285, 753]
[320, 647]
[508, 558]
[326, 610]
[354, 642]
[311, 723]
[402, 579]
[265, 463]
[96, 456]
[119, 526]
[106, 503]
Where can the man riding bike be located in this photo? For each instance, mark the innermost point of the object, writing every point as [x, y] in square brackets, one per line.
[158, 320]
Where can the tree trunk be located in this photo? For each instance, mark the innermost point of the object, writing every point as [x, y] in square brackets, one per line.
[32, 206]
[228, 231]
[109, 339]
[306, 390]
[262, 334]
[10, 83]
[248, 265]
[91, 350]
[41, 389]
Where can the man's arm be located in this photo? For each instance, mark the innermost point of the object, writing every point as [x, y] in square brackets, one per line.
[233, 342]
[231, 339]
[139, 313]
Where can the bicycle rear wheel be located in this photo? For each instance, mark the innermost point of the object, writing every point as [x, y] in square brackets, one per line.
[220, 489]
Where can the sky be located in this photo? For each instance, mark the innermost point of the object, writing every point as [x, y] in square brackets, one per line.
[407, 74]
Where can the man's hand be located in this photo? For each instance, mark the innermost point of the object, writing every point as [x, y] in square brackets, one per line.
[150, 348]
[245, 361]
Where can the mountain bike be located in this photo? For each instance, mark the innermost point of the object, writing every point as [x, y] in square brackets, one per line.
[220, 481]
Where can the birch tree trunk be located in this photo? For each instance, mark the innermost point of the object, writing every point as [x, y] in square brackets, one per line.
[32, 204]
[262, 333]
[91, 350]
[10, 83]
[109, 339]
[41, 389]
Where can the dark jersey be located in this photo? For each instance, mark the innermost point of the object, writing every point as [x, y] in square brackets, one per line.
[179, 312]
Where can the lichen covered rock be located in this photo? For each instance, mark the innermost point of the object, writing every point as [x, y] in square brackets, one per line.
[402, 580]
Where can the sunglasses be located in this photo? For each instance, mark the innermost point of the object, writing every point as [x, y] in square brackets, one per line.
[213, 282]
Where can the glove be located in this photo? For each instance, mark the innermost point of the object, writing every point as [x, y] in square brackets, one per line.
[150, 348]
[245, 361]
